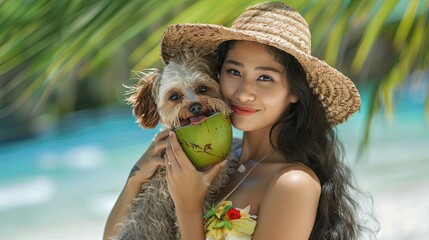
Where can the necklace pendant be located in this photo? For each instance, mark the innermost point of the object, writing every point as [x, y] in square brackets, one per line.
[241, 168]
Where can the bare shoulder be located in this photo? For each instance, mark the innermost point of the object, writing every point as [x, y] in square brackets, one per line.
[289, 206]
[294, 182]
[294, 177]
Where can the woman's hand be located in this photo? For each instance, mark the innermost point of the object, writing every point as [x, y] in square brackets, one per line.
[150, 160]
[187, 186]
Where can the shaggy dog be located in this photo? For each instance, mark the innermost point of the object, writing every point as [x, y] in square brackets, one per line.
[175, 96]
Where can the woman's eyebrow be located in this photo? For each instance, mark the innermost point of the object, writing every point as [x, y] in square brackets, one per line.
[271, 69]
[233, 62]
[264, 68]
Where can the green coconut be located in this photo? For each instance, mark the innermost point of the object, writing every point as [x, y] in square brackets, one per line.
[207, 142]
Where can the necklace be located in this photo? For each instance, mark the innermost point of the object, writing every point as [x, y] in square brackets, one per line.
[241, 168]
[247, 174]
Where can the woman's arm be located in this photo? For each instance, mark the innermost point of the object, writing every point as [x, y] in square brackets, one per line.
[188, 188]
[289, 208]
[120, 209]
[141, 172]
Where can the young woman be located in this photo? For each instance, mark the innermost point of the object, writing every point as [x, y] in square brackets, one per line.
[292, 183]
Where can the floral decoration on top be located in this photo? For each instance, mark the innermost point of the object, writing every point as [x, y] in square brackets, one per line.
[226, 222]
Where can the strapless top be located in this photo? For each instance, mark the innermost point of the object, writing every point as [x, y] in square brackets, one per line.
[226, 222]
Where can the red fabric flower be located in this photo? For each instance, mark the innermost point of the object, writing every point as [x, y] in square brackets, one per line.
[233, 213]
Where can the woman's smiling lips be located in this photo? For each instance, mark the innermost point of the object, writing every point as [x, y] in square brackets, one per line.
[241, 110]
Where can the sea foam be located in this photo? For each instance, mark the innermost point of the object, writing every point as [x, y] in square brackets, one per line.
[25, 193]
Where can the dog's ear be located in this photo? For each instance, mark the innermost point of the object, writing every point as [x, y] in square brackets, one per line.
[143, 100]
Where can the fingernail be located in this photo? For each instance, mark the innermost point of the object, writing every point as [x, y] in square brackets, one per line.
[170, 133]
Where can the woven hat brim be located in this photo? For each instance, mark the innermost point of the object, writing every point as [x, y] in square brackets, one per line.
[337, 92]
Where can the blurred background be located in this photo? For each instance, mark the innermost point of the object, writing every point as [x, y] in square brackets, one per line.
[68, 140]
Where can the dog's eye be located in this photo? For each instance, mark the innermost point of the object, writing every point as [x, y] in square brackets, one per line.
[202, 89]
[174, 97]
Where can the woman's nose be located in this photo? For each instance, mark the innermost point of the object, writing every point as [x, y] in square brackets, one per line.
[245, 92]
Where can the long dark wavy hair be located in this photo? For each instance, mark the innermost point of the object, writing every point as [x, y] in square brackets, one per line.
[303, 135]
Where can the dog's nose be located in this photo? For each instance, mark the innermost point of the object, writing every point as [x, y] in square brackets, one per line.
[195, 108]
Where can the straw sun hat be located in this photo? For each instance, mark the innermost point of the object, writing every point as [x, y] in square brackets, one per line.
[277, 25]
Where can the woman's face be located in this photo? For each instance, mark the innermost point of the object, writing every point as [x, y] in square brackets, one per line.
[255, 85]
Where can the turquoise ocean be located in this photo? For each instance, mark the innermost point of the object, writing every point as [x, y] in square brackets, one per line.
[62, 183]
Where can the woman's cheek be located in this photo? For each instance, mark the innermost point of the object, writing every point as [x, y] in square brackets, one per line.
[225, 88]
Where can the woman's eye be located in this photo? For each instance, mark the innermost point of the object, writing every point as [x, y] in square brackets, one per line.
[174, 96]
[202, 89]
[265, 78]
[234, 72]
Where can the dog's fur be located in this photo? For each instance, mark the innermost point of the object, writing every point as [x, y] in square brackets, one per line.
[167, 96]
